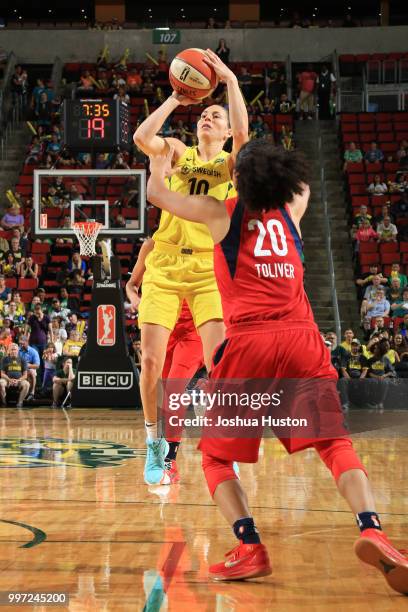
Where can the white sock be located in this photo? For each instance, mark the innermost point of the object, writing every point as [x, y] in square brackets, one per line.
[151, 430]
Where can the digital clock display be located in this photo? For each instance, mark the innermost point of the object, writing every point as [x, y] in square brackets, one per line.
[96, 124]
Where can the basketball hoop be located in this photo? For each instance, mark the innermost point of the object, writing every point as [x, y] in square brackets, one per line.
[87, 233]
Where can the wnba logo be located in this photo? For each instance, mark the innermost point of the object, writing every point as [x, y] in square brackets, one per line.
[106, 324]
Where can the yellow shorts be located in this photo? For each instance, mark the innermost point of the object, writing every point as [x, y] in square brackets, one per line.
[172, 275]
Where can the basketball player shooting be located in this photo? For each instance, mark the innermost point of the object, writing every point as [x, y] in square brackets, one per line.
[270, 322]
[181, 265]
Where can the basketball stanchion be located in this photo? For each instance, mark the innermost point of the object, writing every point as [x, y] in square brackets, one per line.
[107, 376]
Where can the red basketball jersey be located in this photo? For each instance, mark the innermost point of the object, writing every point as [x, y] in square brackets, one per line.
[259, 269]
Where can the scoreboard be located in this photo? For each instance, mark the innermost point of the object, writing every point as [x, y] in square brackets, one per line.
[96, 124]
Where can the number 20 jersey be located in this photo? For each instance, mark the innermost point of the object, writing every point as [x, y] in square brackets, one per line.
[259, 269]
[195, 177]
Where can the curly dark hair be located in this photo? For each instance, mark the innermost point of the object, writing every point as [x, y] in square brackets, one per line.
[269, 176]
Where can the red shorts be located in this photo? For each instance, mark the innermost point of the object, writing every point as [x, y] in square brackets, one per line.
[273, 350]
[184, 354]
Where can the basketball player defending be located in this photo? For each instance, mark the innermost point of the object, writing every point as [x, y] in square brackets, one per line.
[181, 265]
[270, 322]
[184, 354]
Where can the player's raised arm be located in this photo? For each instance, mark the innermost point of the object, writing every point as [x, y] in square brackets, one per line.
[236, 106]
[201, 209]
[146, 137]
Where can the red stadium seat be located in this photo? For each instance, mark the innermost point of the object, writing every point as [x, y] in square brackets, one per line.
[11, 283]
[355, 168]
[368, 247]
[27, 283]
[40, 247]
[390, 258]
[389, 247]
[403, 247]
[369, 258]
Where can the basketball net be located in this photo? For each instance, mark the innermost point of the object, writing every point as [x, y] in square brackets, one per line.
[87, 233]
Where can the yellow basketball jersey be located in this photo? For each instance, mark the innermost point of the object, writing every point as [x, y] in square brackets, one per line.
[195, 177]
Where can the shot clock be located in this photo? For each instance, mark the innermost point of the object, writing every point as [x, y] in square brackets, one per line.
[96, 124]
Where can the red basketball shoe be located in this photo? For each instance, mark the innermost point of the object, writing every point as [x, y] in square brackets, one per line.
[373, 547]
[244, 561]
[170, 465]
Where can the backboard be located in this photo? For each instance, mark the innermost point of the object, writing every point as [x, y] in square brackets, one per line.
[115, 198]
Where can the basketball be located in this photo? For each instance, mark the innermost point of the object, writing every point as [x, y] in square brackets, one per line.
[190, 76]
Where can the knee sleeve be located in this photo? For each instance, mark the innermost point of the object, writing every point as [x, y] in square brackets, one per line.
[216, 471]
[339, 456]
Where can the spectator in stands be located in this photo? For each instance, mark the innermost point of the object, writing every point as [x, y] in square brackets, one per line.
[353, 367]
[223, 51]
[394, 292]
[28, 268]
[245, 82]
[62, 381]
[54, 147]
[325, 91]
[38, 325]
[365, 233]
[400, 345]
[19, 83]
[403, 327]
[11, 312]
[13, 219]
[9, 267]
[275, 82]
[377, 282]
[348, 336]
[379, 327]
[122, 95]
[136, 352]
[402, 151]
[380, 371]
[396, 273]
[14, 374]
[57, 335]
[50, 357]
[43, 111]
[362, 216]
[102, 162]
[371, 308]
[73, 345]
[35, 151]
[385, 212]
[134, 81]
[337, 352]
[374, 154]
[399, 185]
[285, 105]
[307, 86]
[352, 155]
[399, 209]
[20, 307]
[387, 231]
[77, 263]
[377, 187]
[56, 310]
[5, 292]
[367, 277]
[85, 83]
[32, 360]
[76, 283]
[211, 24]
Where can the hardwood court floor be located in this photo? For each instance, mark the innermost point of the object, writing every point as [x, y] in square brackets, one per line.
[76, 516]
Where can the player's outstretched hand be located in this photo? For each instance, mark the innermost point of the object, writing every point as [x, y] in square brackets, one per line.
[222, 71]
[160, 165]
[184, 100]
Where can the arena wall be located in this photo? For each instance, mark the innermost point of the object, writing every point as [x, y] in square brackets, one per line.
[41, 46]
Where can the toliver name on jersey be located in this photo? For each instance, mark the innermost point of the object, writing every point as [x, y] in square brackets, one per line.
[275, 270]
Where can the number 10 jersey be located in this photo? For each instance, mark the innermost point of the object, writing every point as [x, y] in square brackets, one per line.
[195, 177]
